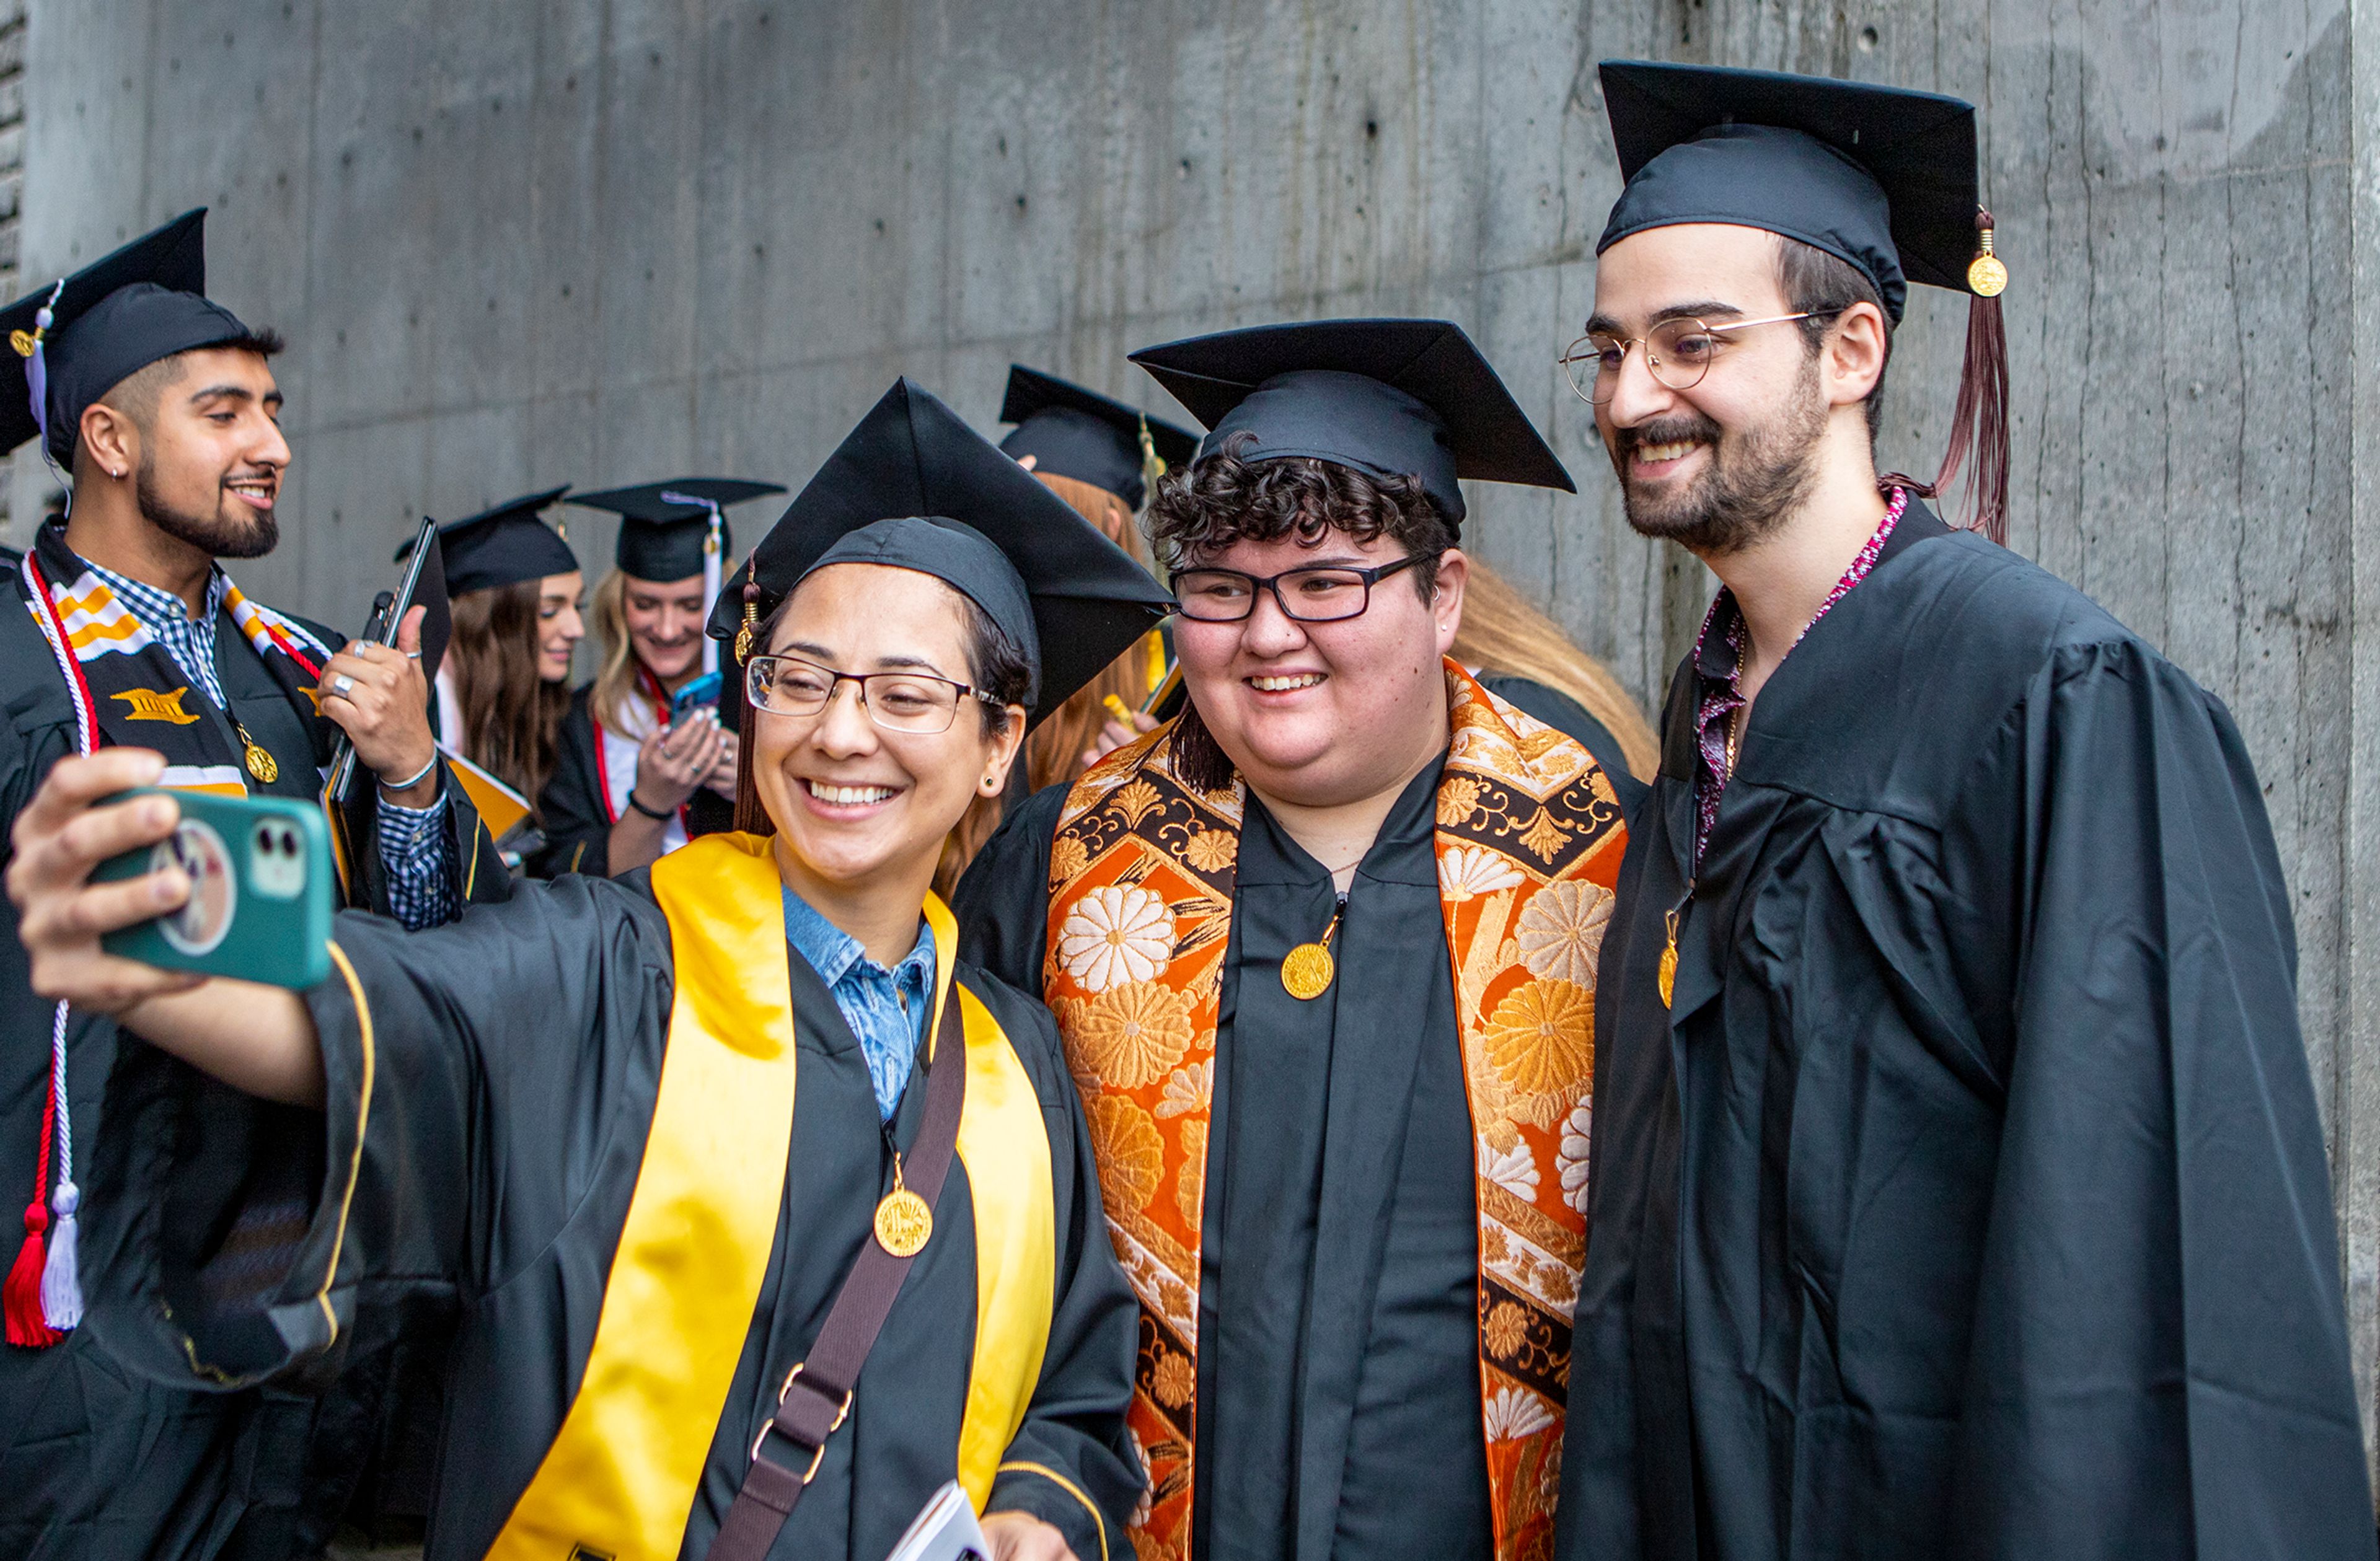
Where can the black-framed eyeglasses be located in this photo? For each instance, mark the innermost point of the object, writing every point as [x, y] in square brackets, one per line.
[1678, 353]
[1318, 594]
[903, 701]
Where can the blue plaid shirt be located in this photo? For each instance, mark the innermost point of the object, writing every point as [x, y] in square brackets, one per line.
[414, 844]
[888, 1010]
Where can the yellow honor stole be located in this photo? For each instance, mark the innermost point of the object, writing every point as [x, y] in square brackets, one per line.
[620, 1476]
[1142, 873]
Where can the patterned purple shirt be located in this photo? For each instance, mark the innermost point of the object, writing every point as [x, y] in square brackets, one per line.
[1719, 666]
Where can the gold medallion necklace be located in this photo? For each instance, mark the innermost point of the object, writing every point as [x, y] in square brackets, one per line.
[1306, 970]
[259, 762]
[902, 1221]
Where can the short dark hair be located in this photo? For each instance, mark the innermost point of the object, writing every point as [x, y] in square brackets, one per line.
[1818, 283]
[1222, 498]
[136, 394]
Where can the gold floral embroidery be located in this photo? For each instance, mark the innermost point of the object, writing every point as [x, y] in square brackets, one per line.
[1134, 801]
[1130, 1036]
[1188, 1089]
[1175, 1381]
[1541, 1039]
[1131, 1155]
[1561, 930]
[1544, 836]
[1068, 857]
[1492, 1244]
[1458, 798]
[1211, 851]
[1506, 1329]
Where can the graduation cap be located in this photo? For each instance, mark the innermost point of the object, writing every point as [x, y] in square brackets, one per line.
[84, 334]
[670, 530]
[913, 487]
[1391, 397]
[502, 546]
[1079, 433]
[1882, 178]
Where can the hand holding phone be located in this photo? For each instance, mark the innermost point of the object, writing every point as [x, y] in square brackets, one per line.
[261, 891]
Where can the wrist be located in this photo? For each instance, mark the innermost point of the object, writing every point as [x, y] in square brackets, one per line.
[658, 814]
[416, 789]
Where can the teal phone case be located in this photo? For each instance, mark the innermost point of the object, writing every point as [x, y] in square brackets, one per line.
[262, 892]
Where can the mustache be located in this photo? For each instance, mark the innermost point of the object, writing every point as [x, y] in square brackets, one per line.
[1666, 431]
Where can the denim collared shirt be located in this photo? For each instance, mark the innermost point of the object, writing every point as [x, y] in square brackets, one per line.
[413, 846]
[888, 1010]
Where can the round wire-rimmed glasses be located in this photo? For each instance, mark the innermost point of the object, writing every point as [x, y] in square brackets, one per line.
[917, 703]
[1678, 353]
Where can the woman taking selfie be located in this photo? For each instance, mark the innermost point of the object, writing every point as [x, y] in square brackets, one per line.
[504, 685]
[644, 763]
[678, 1142]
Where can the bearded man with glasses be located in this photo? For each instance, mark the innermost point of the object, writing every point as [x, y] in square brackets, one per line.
[1322, 951]
[1958, 1184]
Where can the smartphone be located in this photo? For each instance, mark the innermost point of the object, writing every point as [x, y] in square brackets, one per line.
[261, 891]
[697, 693]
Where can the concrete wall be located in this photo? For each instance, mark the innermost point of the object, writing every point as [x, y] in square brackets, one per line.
[598, 241]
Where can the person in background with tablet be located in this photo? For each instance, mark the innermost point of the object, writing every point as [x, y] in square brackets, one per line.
[636, 778]
[768, 1215]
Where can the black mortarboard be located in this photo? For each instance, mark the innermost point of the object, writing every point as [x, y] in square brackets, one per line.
[1877, 177]
[1079, 433]
[1880, 178]
[913, 487]
[664, 524]
[502, 546]
[105, 323]
[1391, 397]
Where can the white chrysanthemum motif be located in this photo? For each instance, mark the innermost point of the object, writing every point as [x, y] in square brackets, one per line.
[1514, 1412]
[1188, 1089]
[1116, 933]
[1513, 1170]
[1560, 931]
[1570, 1158]
[1470, 870]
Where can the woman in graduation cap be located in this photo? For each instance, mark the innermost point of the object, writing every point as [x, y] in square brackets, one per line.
[504, 685]
[685, 1145]
[645, 763]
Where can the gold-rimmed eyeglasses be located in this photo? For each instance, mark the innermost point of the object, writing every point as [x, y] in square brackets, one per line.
[1678, 353]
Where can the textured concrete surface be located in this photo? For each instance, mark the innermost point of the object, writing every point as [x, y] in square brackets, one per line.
[598, 241]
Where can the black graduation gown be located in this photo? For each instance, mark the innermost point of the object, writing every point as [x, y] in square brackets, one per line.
[574, 814]
[518, 1058]
[1569, 717]
[1338, 1294]
[93, 1463]
[1971, 1199]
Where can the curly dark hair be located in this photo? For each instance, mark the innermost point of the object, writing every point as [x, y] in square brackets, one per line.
[1221, 498]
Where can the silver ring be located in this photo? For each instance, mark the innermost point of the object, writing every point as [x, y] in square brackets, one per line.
[342, 685]
[413, 656]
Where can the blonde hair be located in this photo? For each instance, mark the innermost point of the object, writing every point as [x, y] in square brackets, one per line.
[1054, 751]
[1501, 633]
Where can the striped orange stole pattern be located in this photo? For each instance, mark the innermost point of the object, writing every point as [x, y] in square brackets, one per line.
[1142, 871]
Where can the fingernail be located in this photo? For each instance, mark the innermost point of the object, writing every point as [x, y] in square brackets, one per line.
[165, 888]
[157, 813]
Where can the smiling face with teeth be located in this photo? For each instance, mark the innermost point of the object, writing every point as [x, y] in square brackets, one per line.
[860, 812]
[1326, 714]
[196, 439]
[1721, 465]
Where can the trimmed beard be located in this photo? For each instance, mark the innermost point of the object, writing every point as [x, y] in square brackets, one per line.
[1755, 478]
[211, 535]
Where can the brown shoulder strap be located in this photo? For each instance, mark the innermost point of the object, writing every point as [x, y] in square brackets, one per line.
[817, 1395]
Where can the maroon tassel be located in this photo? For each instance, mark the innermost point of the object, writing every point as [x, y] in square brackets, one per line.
[21, 1297]
[1979, 431]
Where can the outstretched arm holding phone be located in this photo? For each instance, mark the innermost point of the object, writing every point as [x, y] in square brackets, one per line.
[259, 1040]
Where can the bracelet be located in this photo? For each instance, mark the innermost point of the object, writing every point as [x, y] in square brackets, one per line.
[413, 779]
[662, 816]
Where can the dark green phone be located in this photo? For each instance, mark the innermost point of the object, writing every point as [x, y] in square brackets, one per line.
[261, 891]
